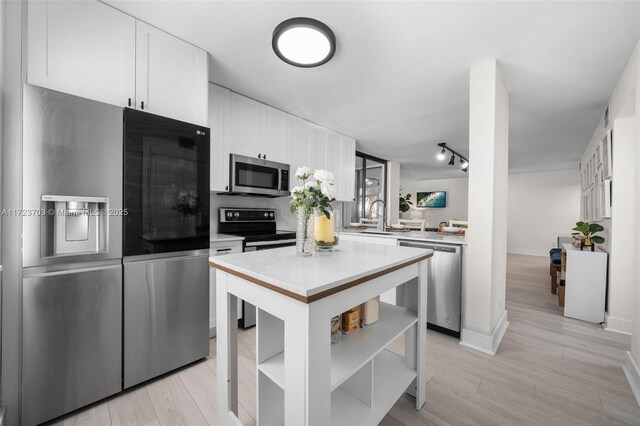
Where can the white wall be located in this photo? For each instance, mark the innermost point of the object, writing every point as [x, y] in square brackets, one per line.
[529, 201]
[542, 206]
[623, 119]
[457, 199]
[624, 268]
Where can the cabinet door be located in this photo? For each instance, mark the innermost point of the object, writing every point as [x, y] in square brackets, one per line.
[276, 135]
[245, 126]
[348, 168]
[82, 48]
[171, 76]
[322, 159]
[218, 123]
[303, 138]
[334, 162]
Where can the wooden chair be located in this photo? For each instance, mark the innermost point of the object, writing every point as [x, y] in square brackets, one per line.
[418, 224]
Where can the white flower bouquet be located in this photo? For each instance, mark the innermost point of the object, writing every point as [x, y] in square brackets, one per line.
[317, 191]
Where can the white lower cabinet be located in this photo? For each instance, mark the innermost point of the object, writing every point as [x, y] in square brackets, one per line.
[218, 248]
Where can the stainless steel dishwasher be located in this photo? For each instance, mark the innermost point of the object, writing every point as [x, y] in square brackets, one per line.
[444, 287]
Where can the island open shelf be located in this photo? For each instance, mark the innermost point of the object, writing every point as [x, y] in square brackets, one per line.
[301, 378]
[354, 349]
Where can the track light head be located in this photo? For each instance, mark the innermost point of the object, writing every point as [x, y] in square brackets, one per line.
[441, 154]
[453, 160]
[464, 164]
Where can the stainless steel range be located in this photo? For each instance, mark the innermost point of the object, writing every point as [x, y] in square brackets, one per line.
[258, 227]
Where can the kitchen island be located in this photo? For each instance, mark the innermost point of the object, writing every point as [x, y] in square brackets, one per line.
[302, 378]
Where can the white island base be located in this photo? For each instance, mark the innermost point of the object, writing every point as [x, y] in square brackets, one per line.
[303, 379]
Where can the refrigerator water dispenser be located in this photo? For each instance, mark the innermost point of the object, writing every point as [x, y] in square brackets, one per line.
[75, 225]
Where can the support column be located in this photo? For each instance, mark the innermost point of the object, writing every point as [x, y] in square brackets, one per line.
[393, 191]
[484, 315]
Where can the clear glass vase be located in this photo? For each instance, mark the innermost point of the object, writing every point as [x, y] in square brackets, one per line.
[327, 230]
[305, 242]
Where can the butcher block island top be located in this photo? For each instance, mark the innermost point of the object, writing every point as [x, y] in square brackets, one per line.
[301, 377]
[314, 277]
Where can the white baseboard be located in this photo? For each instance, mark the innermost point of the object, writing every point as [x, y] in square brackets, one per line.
[488, 344]
[633, 375]
[617, 325]
[541, 253]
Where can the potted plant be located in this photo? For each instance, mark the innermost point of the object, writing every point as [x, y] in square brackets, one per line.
[588, 230]
[405, 203]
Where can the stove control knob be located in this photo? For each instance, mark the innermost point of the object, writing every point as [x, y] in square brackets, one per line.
[266, 214]
[271, 214]
[236, 214]
[229, 214]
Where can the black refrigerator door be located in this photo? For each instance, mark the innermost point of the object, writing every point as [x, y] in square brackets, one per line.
[166, 184]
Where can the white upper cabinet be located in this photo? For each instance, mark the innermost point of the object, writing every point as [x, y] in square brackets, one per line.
[218, 123]
[322, 146]
[171, 76]
[348, 169]
[276, 135]
[303, 144]
[88, 49]
[83, 48]
[245, 126]
[240, 125]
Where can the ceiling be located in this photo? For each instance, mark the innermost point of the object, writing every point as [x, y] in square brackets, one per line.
[399, 81]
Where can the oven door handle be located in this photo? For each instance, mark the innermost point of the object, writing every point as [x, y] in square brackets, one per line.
[269, 243]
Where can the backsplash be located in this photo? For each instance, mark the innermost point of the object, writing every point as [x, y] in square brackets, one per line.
[286, 221]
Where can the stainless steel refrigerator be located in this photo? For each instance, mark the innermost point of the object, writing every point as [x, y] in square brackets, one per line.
[72, 253]
[95, 321]
[166, 245]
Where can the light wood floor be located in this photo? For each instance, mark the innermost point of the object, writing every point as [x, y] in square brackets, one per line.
[549, 370]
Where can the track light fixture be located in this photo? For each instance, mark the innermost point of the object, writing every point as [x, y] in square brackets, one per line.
[464, 163]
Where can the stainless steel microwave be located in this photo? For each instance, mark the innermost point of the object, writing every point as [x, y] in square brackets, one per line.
[257, 176]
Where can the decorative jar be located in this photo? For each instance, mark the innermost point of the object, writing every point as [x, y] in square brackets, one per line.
[327, 230]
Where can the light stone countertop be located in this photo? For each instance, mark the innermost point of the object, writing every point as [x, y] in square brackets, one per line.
[433, 237]
[307, 276]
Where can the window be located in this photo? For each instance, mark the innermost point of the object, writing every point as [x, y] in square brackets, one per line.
[371, 184]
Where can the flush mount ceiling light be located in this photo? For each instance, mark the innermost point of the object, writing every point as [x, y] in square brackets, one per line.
[464, 163]
[304, 42]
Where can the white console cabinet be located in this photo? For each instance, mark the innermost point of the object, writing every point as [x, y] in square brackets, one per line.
[585, 278]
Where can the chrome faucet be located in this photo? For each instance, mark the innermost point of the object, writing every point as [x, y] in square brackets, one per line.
[382, 217]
